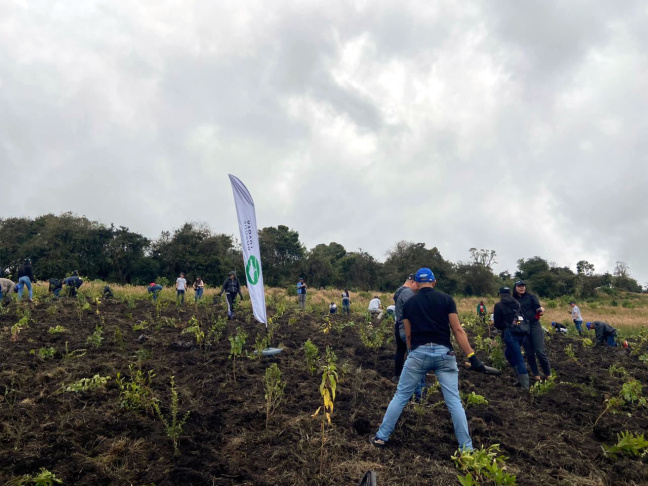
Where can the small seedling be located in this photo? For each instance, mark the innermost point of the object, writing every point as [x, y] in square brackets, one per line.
[482, 466]
[236, 347]
[96, 338]
[43, 478]
[58, 329]
[274, 390]
[88, 384]
[173, 429]
[473, 399]
[542, 387]
[327, 392]
[312, 356]
[136, 393]
[569, 351]
[617, 371]
[628, 444]
[44, 353]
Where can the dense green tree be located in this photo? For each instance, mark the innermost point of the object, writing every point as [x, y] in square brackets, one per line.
[281, 255]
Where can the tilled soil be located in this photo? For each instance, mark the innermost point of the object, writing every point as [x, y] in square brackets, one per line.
[87, 438]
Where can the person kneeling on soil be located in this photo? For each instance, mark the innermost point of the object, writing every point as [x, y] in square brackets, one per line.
[428, 318]
[558, 327]
[107, 292]
[605, 334]
[332, 308]
[73, 283]
[6, 287]
[506, 312]
[375, 308]
[55, 286]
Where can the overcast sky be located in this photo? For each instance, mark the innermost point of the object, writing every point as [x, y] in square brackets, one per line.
[514, 126]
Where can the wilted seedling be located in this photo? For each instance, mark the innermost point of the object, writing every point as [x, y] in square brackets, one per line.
[88, 384]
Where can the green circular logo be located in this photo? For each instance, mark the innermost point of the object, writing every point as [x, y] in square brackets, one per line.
[252, 270]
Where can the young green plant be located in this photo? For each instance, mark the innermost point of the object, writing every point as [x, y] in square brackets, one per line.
[274, 390]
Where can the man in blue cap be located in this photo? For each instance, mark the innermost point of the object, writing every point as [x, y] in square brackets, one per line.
[605, 334]
[429, 317]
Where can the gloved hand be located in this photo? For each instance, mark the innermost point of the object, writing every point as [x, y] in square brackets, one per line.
[476, 364]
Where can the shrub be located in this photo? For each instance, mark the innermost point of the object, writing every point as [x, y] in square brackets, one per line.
[274, 390]
[173, 429]
[312, 356]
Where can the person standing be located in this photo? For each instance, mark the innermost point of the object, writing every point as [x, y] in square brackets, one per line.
[428, 318]
[301, 293]
[402, 295]
[25, 279]
[199, 287]
[231, 287]
[154, 288]
[506, 311]
[481, 311]
[534, 344]
[346, 302]
[6, 287]
[181, 287]
[577, 317]
[375, 307]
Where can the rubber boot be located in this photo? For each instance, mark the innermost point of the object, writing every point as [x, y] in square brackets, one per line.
[524, 381]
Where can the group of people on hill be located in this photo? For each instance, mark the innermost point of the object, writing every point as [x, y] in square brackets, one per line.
[425, 318]
[26, 279]
[231, 288]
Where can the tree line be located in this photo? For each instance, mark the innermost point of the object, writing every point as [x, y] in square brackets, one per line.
[59, 244]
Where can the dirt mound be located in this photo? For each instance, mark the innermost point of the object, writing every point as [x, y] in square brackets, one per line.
[88, 438]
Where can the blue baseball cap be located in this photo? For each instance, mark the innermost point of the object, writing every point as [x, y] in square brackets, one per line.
[424, 275]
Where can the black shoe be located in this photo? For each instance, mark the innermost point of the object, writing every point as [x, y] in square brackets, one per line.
[379, 443]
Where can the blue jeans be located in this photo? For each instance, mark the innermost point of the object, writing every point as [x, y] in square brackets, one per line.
[429, 357]
[24, 282]
[513, 351]
[57, 291]
[611, 340]
[199, 292]
[181, 294]
[346, 307]
[579, 326]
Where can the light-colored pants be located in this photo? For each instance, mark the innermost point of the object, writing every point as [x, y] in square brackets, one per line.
[429, 357]
[376, 313]
[301, 298]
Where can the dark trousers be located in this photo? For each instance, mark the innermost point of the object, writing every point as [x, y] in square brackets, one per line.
[534, 347]
[513, 351]
[401, 350]
[231, 300]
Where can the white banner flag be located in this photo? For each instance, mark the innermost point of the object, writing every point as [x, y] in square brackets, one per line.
[250, 243]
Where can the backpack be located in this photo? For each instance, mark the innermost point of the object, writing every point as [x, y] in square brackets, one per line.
[519, 325]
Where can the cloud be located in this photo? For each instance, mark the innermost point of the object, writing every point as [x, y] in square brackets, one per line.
[516, 127]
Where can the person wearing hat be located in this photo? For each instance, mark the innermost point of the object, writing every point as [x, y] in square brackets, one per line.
[577, 317]
[429, 317]
[605, 334]
[534, 344]
[231, 287]
[505, 312]
[402, 295]
[154, 288]
[25, 279]
[301, 293]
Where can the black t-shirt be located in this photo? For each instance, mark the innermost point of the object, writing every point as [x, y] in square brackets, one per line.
[428, 312]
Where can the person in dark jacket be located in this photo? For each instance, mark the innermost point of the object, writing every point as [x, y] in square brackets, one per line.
[73, 283]
[402, 295]
[25, 279]
[55, 286]
[534, 344]
[605, 334]
[231, 287]
[504, 313]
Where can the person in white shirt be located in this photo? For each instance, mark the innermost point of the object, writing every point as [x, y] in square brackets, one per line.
[577, 317]
[181, 287]
[332, 308]
[375, 308]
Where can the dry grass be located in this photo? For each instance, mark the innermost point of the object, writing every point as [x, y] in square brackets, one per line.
[630, 313]
[631, 320]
